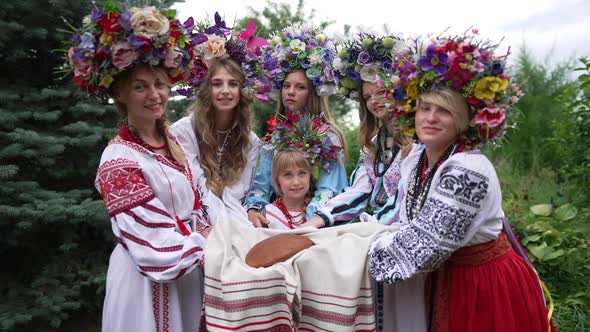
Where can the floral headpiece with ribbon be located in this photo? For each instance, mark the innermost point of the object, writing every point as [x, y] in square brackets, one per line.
[306, 133]
[114, 38]
[218, 40]
[468, 65]
[363, 58]
[301, 47]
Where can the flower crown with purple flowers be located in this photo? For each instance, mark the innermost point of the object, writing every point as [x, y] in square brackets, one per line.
[363, 58]
[467, 65]
[300, 47]
[218, 40]
[115, 38]
[306, 133]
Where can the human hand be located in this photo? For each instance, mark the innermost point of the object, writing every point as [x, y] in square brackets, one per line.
[315, 222]
[257, 219]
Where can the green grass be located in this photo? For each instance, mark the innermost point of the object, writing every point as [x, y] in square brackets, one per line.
[568, 276]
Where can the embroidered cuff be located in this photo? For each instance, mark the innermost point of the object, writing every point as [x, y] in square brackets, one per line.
[324, 218]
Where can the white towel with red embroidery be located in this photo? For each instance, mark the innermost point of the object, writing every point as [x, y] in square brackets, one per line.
[323, 288]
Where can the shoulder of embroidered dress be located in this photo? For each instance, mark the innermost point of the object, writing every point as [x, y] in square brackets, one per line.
[255, 142]
[364, 155]
[334, 137]
[254, 137]
[183, 129]
[412, 158]
[473, 161]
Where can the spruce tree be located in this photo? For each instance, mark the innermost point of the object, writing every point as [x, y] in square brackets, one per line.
[55, 230]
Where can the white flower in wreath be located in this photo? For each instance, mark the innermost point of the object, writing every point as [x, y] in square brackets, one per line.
[370, 73]
[148, 22]
[283, 54]
[315, 59]
[214, 47]
[338, 64]
[327, 89]
[297, 45]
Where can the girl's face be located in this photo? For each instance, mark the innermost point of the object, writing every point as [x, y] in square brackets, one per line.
[225, 90]
[375, 101]
[146, 97]
[435, 126]
[294, 183]
[295, 91]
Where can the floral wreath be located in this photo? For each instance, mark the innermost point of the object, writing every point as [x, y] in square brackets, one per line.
[115, 38]
[300, 47]
[363, 58]
[374, 59]
[468, 65]
[218, 40]
[306, 133]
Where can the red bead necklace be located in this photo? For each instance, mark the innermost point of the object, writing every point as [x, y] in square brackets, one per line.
[281, 205]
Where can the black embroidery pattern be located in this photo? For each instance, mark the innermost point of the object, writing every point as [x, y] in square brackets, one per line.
[463, 185]
[424, 244]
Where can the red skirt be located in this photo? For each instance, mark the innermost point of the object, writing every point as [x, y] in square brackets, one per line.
[487, 287]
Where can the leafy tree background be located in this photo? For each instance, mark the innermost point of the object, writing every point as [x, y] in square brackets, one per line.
[56, 236]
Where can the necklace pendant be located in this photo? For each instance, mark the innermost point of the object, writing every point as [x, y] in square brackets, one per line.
[387, 155]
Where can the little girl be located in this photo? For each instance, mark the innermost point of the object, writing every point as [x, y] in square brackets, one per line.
[292, 180]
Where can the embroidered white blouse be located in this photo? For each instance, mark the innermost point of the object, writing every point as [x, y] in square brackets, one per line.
[233, 198]
[153, 283]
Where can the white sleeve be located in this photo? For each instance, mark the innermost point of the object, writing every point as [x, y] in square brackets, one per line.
[464, 193]
[234, 196]
[142, 225]
[184, 133]
[350, 203]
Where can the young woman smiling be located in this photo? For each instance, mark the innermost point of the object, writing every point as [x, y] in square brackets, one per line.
[304, 78]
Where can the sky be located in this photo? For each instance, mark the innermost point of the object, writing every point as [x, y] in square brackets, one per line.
[553, 30]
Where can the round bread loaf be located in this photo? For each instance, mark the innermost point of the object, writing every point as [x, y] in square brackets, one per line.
[277, 248]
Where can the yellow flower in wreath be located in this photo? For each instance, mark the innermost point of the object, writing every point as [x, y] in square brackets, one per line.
[412, 89]
[487, 87]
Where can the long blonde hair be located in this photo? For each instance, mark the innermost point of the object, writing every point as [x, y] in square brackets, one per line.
[369, 127]
[289, 158]
[235, 154]
[318, 105]
[122, 84]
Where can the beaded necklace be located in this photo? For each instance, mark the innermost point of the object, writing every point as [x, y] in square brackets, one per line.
[128, 133]
[385, 155]
[221, 149]
[420, 181]
[281, 205]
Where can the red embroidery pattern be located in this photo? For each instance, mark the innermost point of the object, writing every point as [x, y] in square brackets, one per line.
[332, 317]
[157, 156]
[156, 303]
[166, 325]
[149, 224]
[122, 185]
